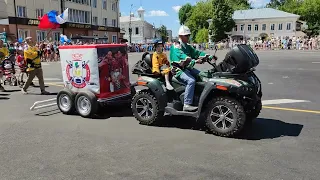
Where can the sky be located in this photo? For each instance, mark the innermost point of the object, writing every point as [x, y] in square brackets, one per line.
[165, 12]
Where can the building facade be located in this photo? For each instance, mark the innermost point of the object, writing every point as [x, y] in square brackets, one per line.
[266, 22]
[169, 32]
[86, 18]
[142, 31]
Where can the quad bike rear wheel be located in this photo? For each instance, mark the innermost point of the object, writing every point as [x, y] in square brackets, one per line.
[225, 117]
[145, 108]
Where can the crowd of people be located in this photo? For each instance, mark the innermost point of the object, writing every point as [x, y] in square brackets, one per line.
[27, 56]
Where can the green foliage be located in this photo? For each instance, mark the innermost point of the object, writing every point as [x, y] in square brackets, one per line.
[201, 12]
[185, 12]
[163, 33]
[222, 21]
[239, 4]
[202, 36]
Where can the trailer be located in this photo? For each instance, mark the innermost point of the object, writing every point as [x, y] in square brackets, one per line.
[93, 75]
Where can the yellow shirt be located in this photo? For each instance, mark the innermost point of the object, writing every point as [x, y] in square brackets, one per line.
[32, 57]
[5, 52]
[158, 60]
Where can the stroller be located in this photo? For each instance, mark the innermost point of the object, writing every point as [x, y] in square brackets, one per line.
[8, 70]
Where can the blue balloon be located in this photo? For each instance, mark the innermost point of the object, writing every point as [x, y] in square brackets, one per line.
[68, 41]
[20, 40]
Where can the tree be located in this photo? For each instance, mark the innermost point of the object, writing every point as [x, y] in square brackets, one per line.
[201, 12]
[185, 12]
[202, 36]
[222, 21]
[239, 4]
[163, 33]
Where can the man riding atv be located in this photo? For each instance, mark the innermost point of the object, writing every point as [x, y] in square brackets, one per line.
[182, 59]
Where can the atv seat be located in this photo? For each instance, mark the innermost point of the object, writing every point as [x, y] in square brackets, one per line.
[147, 57]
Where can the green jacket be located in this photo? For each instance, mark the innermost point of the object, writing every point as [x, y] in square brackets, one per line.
[183, 57]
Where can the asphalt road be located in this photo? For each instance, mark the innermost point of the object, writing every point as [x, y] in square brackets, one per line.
[283, 143]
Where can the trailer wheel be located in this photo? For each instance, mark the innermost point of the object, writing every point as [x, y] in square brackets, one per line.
[65, 101]
[86, 104]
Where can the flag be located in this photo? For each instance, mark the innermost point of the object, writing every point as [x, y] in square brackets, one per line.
[52, 20]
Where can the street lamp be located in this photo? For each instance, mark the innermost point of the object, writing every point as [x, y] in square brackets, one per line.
[130, 29]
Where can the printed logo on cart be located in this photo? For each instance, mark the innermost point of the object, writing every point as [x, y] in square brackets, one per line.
[78, 71]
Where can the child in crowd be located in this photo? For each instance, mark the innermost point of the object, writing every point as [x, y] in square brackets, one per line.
[160, 64]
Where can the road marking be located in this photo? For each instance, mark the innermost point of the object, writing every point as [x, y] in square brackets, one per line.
[291, 109]
[55, 84]
[282, 101]
[315, 62]
[48, 79]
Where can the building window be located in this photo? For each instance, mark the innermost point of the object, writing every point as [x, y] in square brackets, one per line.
[114, 22]
[249, 27]
[95, 20]
[114, 39]
[241, 27]
[235, 28]
[41, 35]
[288, 26]
[22, 11]
[264, 27]
[56, 36]
[105, 21]
[114, 6]
[85, 2]
[256, 27]
[272, 27]
[104, 4]
[79, 16]
[94, 3]
[280, 27]
[23, 33]
[39, 13]
[137, 30]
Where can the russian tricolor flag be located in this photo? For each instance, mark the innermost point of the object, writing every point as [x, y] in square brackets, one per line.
[52, 20]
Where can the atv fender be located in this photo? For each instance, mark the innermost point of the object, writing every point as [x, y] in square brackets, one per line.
[210, 86]
[156, 88]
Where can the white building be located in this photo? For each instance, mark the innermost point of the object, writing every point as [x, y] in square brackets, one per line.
[142, 31]
[265, 22]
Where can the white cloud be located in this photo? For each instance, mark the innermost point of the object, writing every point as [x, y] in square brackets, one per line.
[176, 8]
[157, 13]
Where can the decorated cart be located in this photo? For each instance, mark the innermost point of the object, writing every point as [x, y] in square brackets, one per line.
[93, 75]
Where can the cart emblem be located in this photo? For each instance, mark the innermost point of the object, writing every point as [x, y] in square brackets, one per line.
[78, 71]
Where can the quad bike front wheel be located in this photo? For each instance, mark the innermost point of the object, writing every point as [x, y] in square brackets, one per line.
[225, 117]
[254, 113]
[145, 108]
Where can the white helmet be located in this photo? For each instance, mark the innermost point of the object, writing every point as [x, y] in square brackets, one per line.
[184, 31]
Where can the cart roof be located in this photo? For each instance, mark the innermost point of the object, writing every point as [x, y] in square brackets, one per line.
[92, 46]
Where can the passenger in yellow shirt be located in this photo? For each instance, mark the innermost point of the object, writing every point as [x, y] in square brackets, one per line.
[160, 64]
[4, 52]
[32, 57]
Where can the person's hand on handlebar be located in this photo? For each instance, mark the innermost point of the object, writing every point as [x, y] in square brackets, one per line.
[199, 61]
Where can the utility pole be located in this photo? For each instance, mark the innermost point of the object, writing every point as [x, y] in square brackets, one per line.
[130, 29]
[62, 6]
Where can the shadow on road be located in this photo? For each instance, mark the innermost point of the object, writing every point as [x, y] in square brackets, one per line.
[4, 98]
[113, 111]
[260, 129]
[269, 129]
[49, 113]
[14, 90]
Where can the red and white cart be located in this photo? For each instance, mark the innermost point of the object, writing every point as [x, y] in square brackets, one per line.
[92, 75]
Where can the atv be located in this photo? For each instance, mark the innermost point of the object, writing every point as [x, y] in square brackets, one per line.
[228, 96]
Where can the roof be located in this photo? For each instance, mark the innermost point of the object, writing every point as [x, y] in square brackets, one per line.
[262, 13]
[127, 19]
[140, 9]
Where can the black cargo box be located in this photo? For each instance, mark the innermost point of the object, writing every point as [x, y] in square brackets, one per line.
[240, 59]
